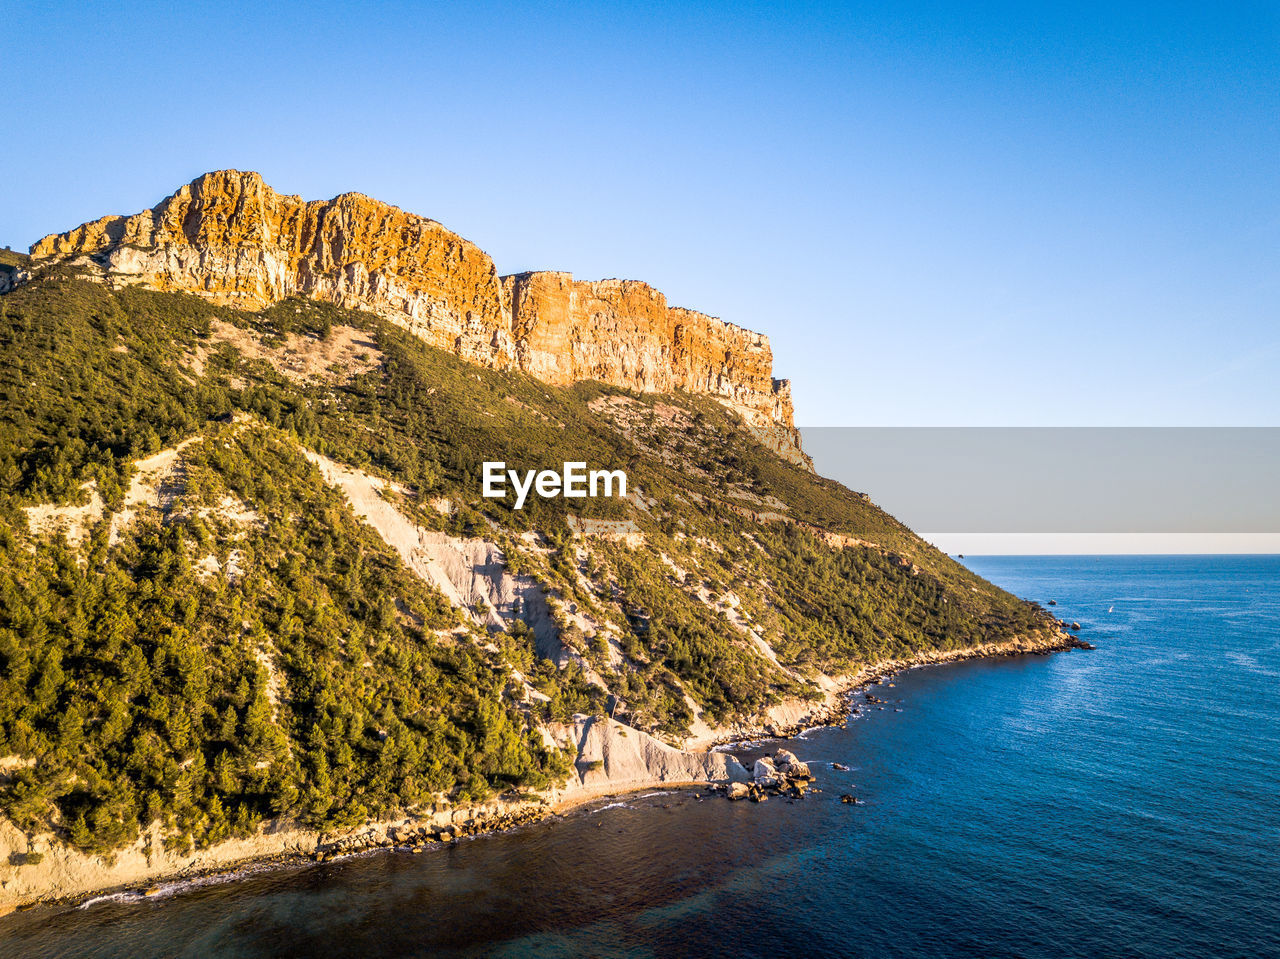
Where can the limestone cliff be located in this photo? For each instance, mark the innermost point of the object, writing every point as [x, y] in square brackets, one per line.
[623, 332]
[231, 238]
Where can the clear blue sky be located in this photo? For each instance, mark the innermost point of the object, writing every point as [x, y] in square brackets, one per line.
[1006, 215]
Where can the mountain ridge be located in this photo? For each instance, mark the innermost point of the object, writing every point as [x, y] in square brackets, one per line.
[229, 237]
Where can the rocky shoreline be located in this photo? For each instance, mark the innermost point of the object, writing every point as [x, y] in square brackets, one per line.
[839, 701]
[783, 775]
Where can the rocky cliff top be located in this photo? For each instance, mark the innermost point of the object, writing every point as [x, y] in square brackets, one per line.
[231, 238]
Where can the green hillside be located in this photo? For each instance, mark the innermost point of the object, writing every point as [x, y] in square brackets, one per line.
[141, 678]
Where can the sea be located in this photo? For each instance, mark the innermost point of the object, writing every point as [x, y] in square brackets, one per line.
[1123, 801]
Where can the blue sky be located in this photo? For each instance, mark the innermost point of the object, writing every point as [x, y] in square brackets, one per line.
[1009, 214]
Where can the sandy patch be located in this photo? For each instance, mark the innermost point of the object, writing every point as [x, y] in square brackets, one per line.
[11, 764]
[346, 352]
[623, 531]
[275, 682]
[156, 483]
[73, 522]
[232, 510]
[209, 568]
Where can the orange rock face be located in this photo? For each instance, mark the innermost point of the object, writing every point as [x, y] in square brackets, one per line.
[229, 237]
[623, 332]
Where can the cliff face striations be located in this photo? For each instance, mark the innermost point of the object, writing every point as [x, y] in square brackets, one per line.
[231, 238]
[623, 332]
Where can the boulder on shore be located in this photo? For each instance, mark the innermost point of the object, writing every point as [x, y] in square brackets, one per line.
[791, 767]
[764, 772]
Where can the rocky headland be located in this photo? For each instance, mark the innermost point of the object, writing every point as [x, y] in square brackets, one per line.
[334, 643]
[229, 237]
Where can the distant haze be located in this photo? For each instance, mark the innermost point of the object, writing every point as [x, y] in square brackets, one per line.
[1069, 490]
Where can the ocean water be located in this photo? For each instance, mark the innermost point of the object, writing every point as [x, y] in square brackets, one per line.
[1119, 802]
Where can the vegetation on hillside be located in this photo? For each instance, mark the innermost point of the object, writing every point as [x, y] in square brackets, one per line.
[142, 679]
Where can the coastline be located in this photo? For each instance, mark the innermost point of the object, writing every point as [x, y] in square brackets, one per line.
[786, 720]
[614, 769]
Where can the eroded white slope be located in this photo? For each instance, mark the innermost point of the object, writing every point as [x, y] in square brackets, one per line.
[471, 573]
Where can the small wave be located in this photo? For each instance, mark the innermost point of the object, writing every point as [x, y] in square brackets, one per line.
[1245, 661]
[808, 731]
[113, 897]
[649, 795]
[614, 805]
[166, 890]
[738, 744]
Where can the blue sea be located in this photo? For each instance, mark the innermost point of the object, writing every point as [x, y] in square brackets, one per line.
[1117, 802]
